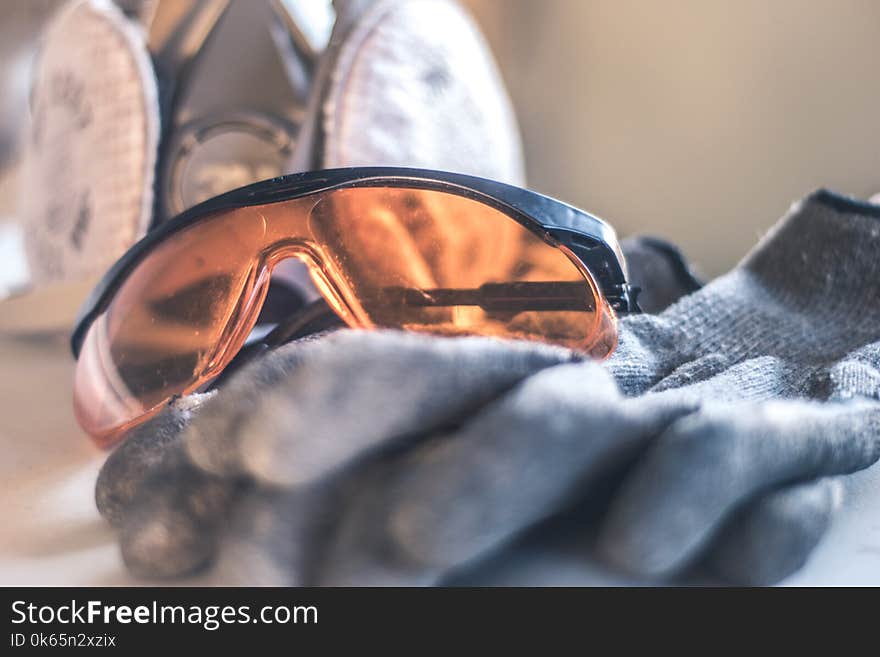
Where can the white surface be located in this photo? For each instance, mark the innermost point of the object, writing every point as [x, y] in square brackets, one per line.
[51, 532]
[13, 266]
[850, 554]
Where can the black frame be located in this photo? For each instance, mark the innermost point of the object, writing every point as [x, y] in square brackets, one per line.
[589, 238]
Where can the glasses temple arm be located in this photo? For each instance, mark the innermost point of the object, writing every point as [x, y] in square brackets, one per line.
[497, 297]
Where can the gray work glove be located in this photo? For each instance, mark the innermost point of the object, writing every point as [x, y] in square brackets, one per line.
[711, 438]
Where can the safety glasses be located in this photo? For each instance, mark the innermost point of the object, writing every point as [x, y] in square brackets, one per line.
[408, 249]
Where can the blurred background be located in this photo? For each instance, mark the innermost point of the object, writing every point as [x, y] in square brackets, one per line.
[696, 120]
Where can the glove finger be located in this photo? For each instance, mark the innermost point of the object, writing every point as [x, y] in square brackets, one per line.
[267, 539]
[213, 441]
[170, 528]
[353, 392]
[707, 464]
[772, 537]
[145, 451]
[520, 460]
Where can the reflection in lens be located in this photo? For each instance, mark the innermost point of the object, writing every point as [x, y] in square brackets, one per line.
[166, 323]
[434, 261]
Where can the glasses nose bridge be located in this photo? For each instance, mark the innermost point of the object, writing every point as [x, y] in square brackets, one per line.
[284, 248]
[331, 285]
[286, 229]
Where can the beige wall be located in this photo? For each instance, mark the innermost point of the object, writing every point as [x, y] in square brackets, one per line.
[699, 120]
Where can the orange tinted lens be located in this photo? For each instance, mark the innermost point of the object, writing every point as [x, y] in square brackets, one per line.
[393, 257]
[433, 261]
[164, 332]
